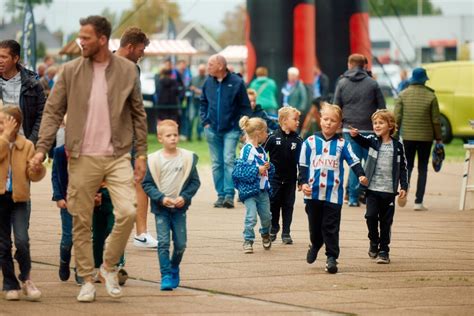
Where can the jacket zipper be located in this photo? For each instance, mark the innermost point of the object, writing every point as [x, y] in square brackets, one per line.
[218, 104]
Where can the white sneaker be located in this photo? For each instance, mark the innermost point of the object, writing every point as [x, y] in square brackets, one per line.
[145, 240]
[87, 293]
[12, 295]
[419, 207]
[30, 291]
[111, 281]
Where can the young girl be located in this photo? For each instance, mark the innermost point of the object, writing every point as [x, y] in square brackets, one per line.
[386, 170]
[322, 175]
[251, 178]
[15, 175]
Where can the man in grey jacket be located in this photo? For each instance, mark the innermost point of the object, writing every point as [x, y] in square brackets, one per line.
[359, 96]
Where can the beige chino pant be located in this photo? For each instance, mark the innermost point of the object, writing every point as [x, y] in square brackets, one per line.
[86, 174]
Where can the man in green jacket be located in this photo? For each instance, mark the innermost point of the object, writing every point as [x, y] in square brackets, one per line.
[417, 116]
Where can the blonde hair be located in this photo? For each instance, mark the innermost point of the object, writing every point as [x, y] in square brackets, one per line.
[331, 107]
[388, 117]
[14, 112]
[165, 123]
[285, 112]
[253, 125]
[252, 92]
[293, 71]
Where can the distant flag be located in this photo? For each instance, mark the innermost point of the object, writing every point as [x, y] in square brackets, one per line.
[29, 38]
[171, 34]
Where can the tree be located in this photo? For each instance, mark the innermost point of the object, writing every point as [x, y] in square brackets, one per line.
[234, 27]
[151, 16]
[401, 7]
[15, 7]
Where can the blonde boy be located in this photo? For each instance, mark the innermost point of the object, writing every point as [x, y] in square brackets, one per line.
[171, 181]
[284, 146]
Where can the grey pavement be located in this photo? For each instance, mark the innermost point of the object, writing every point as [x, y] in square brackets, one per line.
[431, 273]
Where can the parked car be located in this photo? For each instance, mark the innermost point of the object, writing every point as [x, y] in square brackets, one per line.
[453, 83]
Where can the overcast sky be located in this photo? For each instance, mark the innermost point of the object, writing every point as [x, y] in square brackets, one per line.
[65, 14]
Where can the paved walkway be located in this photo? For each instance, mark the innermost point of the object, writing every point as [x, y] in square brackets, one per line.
[431, 273]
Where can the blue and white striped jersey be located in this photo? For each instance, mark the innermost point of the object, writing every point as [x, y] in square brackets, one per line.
[322, 162]
[257, 156]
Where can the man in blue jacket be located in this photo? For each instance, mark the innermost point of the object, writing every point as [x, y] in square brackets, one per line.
[224, 101]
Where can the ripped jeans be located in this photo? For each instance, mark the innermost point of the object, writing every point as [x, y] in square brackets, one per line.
[167, 222]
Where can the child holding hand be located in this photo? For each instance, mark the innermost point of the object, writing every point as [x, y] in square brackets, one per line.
[15, 175]
[386, 169]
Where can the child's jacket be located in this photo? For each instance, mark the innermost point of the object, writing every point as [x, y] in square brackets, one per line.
[23, 150]
[246, 178]
[188, 187]
[399, 165]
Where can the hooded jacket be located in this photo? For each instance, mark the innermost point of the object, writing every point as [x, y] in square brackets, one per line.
[359, 96]
[32, 100]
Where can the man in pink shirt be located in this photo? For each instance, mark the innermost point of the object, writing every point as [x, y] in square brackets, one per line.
[100, 92]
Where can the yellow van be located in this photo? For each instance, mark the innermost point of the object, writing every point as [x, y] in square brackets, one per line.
[453, 83]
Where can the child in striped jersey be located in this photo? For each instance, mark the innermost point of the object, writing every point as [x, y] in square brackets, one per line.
[321, 175]
[251, 178]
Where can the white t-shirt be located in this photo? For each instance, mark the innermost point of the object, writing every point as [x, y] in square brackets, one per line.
[171, 175]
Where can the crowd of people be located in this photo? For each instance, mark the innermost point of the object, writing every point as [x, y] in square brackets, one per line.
[104, 180]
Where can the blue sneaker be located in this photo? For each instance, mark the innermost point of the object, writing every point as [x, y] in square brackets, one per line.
[175, 277]
[166, 283]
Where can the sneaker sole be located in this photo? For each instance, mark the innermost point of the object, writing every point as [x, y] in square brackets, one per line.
[139, 244]
[373, 255]
[331, 270]
[248, 251]
[383, 261]
[86, 300]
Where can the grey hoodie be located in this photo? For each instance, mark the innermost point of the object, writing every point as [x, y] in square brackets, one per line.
[359, 96]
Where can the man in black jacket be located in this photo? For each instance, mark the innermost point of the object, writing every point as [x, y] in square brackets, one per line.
[20, 87]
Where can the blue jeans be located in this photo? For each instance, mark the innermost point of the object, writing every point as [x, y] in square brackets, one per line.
[259, 204]
[174, 222]
[16, 216]
[353, 185]
[66, 236]
[222, 149]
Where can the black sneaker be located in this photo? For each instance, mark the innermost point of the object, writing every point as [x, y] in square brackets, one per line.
[312, 254]
[266, 241]
[383, 258]
[286, 239]
[331, 265]
[273, 237]
[79, 279]
[64, 271]
[228, 203]
[373, 251]
[219, 203]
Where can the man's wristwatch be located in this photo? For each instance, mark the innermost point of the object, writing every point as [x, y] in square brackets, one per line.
[142, 157]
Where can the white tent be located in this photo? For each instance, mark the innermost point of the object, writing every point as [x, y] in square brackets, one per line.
[234, 53]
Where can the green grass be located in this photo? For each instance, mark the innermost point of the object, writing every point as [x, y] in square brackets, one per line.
[454, 151]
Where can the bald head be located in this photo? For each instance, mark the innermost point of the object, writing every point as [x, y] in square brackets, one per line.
[216, 66]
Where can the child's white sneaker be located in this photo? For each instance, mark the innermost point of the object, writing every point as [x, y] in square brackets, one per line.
[30, 291]
[145, 240]
[12, 295]
[87, 293]
[419, 207]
